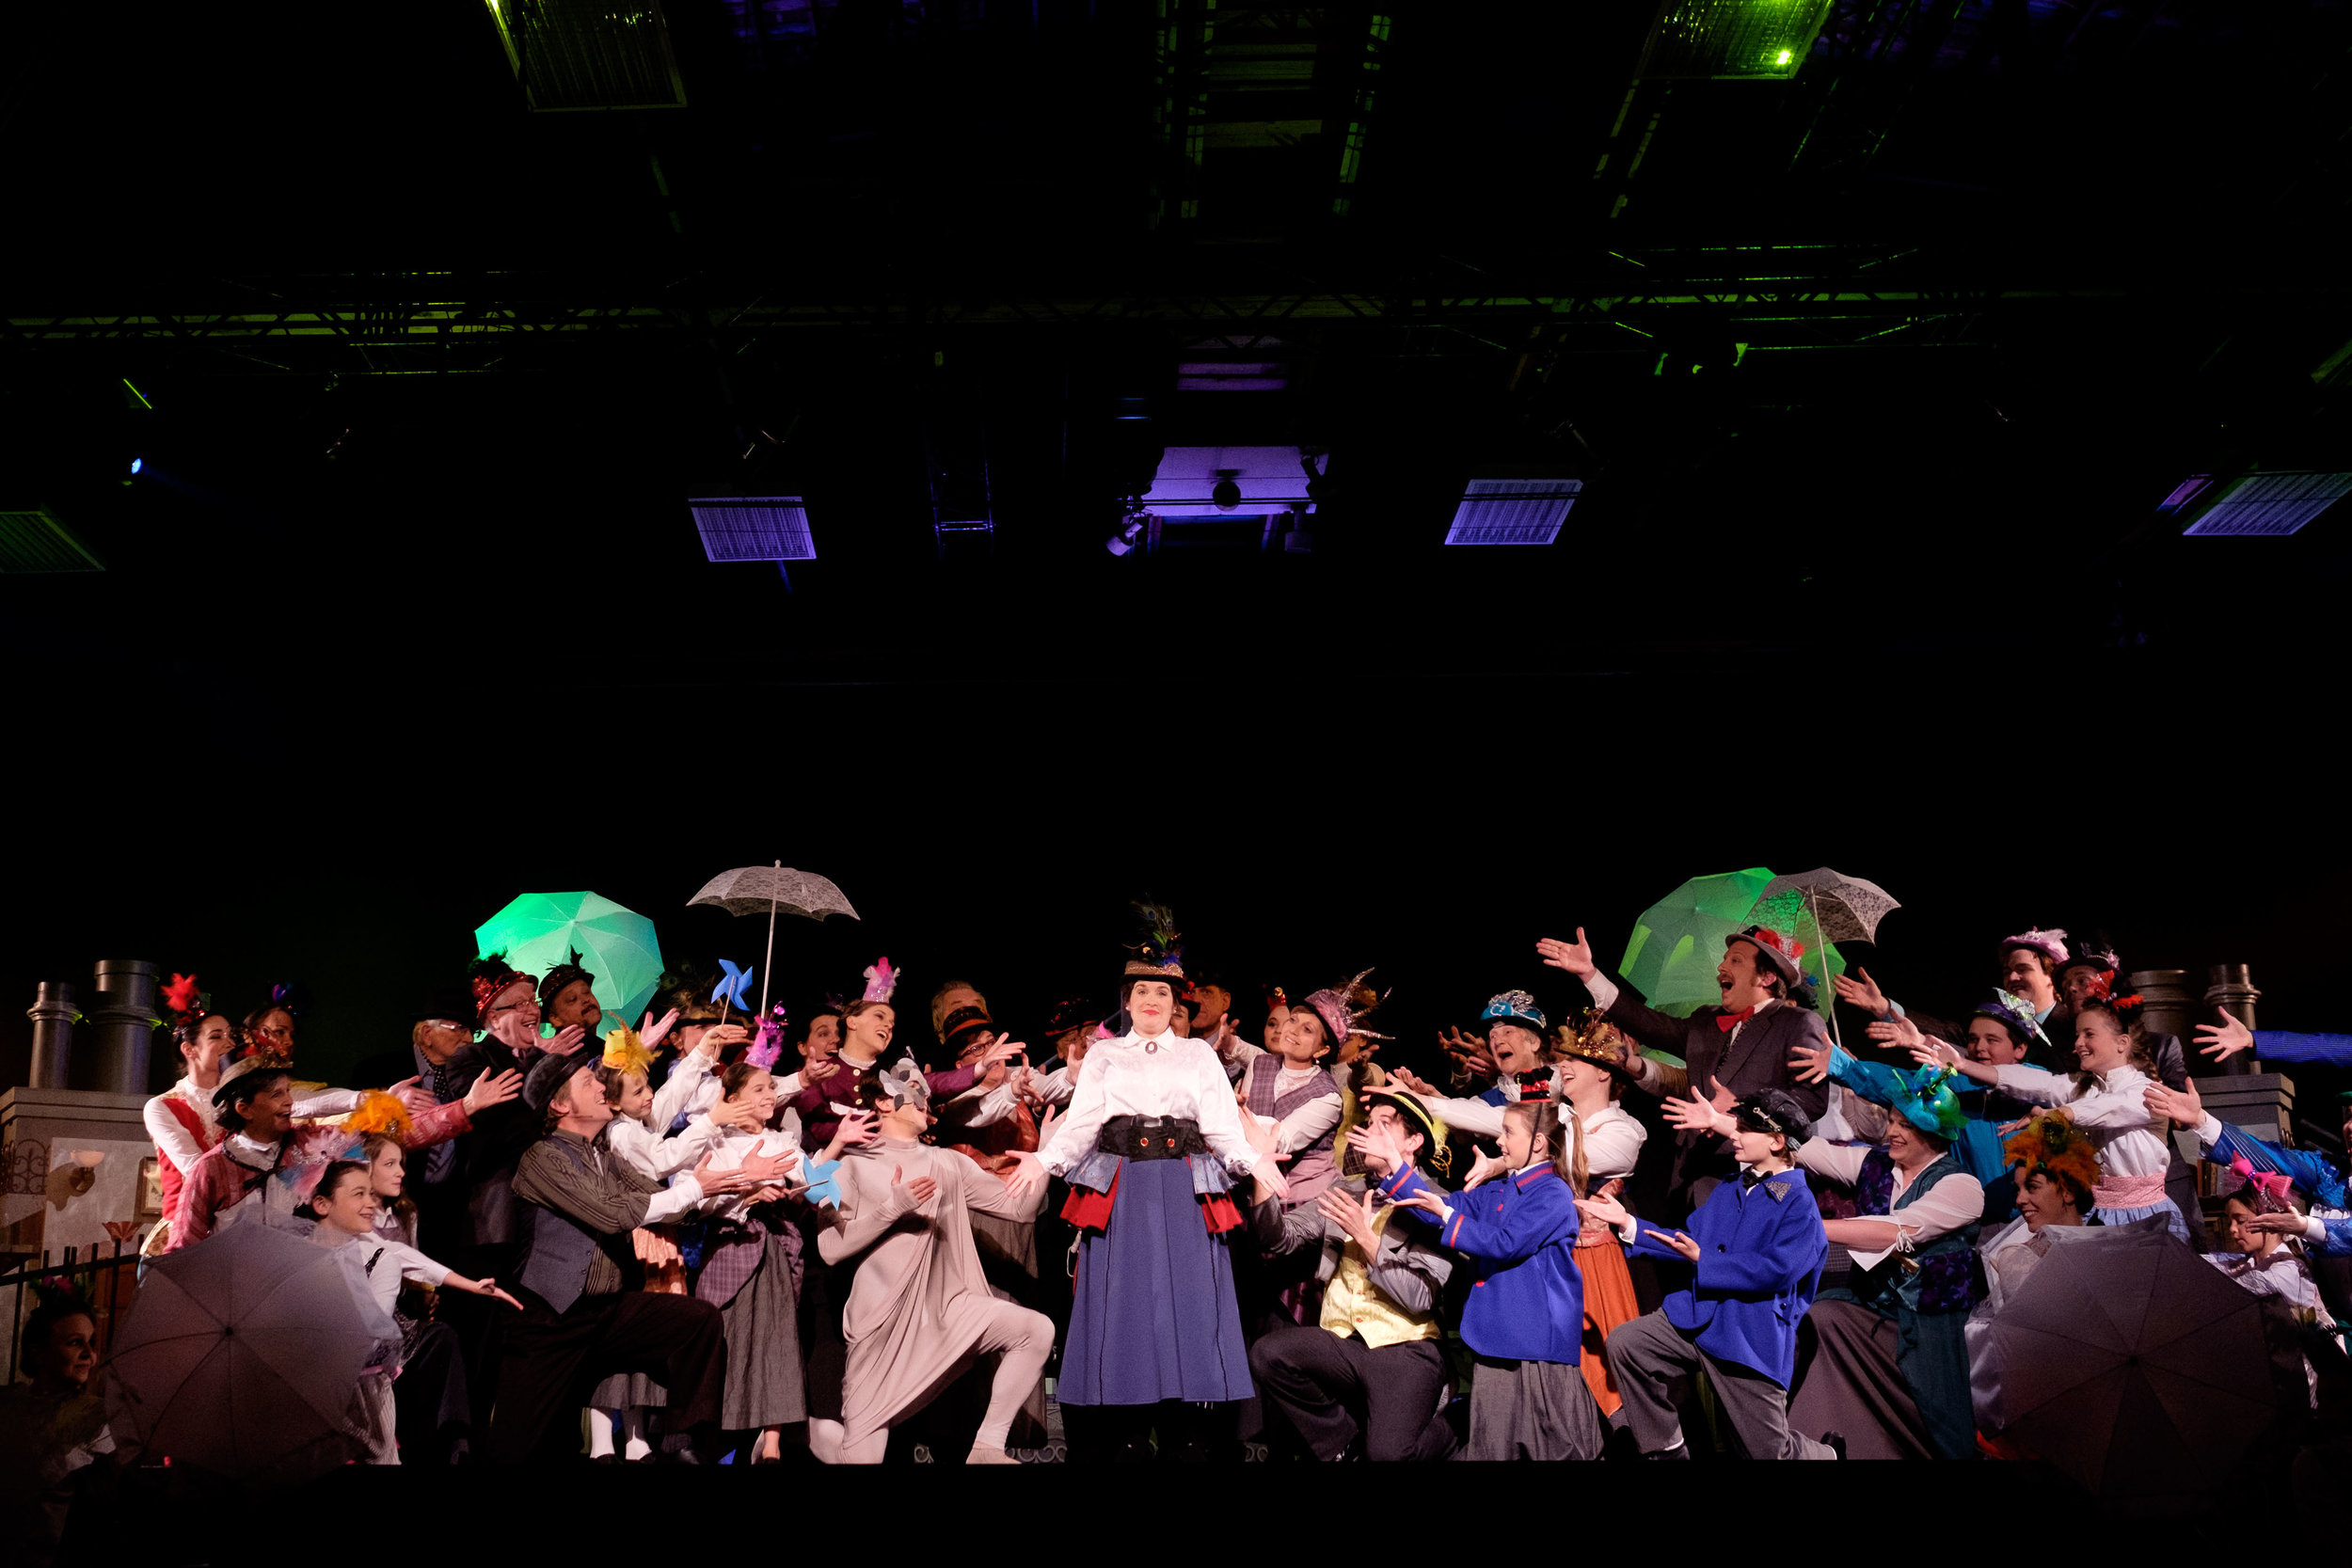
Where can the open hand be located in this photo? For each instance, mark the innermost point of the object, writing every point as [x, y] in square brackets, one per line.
[1897, 1032]
[1681, 1244]
[1470, 1056]
[761, 1168]
[2278, 1225]
[2182, 1105]
[1606, 1210]
[1485, 1167]
[1382, 1151]
[650, 1034]
[414, 1096]
[1863, 993]
[719, 1037]
[1411, 1083]
[1930, 1053]
[1353, 1219]
[565, 1040]
[2224, 1039]
[1424, 1199]
[490, 1287]
[493, 1088]
[1697, 1116]
[717, 1183]
[1574, 956]
[1810, 1062]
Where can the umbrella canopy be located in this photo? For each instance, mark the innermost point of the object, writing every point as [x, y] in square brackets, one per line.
[616, 944]
[2129, 1362]
[1678, 940]
[243, 1352]
[757, 888]
[1848, 908]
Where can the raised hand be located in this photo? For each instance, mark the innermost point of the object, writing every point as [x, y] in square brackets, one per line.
[1810, 1062]
[858, 1127]
[1379, 1145]
[734, 1112]
[493, 1088]
[2224, 1039]
[1899, 1032]
[1469, 1053]
[720, 1037]
[717, 1183]
[1485, 1167]
[567, 1040]
[1353, 1219]
[2182, 1105]
[1697, 1115]
[650, 1034]
[1721, 1098]
[1863, 993]
[1423, 1198]
[2278, 1225]
[1928, 1053]
[1574, 956]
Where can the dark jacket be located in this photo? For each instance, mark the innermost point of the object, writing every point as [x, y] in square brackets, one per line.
[1758, 1059]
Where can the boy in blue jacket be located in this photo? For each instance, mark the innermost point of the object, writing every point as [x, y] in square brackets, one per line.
[1524, 1319]
[1758, 1247]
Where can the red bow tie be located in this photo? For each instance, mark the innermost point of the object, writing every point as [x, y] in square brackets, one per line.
[1729, 1021]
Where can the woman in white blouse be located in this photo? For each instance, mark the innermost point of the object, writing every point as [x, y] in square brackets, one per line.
[1153, 1138]
[2107, 1098]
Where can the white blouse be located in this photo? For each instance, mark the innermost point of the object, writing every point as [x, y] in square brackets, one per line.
[399, 1261]
[1955, 1200]
[2113, 1111]
[729, 1154]
[661, 1158]
[1309, 1121]
[1163, 1076]
[1613, 1138]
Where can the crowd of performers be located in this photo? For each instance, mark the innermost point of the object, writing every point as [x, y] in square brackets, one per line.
[1628, 1234]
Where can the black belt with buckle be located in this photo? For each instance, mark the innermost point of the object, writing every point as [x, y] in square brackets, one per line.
[1152, 1137]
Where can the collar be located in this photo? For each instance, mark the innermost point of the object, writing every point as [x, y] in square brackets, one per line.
[1525, 1173]
[1774, 1184]
[1729, 1021]
[237, 1143]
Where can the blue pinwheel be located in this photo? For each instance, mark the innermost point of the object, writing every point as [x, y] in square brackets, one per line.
[730, 990]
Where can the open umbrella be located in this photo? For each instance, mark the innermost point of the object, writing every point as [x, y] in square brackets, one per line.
[1678, 940]
[1841, 909]
[243, 1352]
[773, 889]
[2129, 1362]
[616, 944]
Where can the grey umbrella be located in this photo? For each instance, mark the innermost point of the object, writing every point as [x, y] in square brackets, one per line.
[2132, 1364]
[773, 889]
[1844, 908]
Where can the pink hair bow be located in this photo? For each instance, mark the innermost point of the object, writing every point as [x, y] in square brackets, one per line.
[2270, 1184]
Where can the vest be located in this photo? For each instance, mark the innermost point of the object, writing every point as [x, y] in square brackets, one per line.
[1314, 1168]
[1351, 1304]
[557, 1249]
[1947, 1277]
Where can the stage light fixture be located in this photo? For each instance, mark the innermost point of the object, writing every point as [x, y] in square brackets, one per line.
[590, 53]
[137, 463]
[35, 539]
[753, 528]
[1513, 510]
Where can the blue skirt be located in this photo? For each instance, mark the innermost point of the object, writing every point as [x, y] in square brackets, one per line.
[2174, 1221]
[1152, 1316]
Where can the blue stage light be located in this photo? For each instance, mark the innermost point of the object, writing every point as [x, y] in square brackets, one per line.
[137, 463]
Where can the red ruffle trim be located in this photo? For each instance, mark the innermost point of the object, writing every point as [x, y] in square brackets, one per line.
[1089, 1209]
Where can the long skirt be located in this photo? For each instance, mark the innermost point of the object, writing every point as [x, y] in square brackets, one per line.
[1609, 1300]
[763, 1334]
[1530, 1410]
[1152, 1315]
[1892, 1390]
[2169, 1211]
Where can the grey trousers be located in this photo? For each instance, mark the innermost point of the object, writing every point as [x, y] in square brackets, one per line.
[1649, 1350]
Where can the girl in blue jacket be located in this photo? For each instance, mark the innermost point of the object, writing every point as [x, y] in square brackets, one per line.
[1516, 1222]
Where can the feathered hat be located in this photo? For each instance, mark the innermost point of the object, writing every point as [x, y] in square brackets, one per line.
[377, 1112]
[1515, 1007]
[1772, 949]
[1924, 1098]
[2014, 1013]
[625, 1050]
[1159, 955]
[2052, 1143]
[235, 1071]
[768, 1044]
[882, 981]
[2050, 944]
[2098, 957]
[1343, 1008]
[488, 975]
[551, 984]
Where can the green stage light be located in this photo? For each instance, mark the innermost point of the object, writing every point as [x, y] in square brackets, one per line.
[590, 53]
[1760, 39]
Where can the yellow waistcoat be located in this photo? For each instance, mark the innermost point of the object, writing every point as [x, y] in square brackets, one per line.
[1353, 1304]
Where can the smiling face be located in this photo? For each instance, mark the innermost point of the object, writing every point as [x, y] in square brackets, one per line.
[266, 1106]
[2023, 972]
[1907, 1146]
[388, 1172]
[70, 1354]
[2044, 1201]
[351, 1208]
[275, 1030]
[824, 1040]
[1738, 980]
[576, 1004]
[1152, 1004]
[1580, 1080]
[2099, 1045]
[1303, 1039]
[203, 1051]
[2083, 982]
[759, 1093]
[514, 1017]
[636, 1098]
[867, 1035]
[581, 1101]
[1990, 1043]
[442, 1039]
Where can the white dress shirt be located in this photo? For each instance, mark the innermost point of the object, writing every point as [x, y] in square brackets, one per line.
[399, 1261]
[2113, 1111]
[1158, 1076]
[661, 1158]
[1309, 1121]
[733, 1147]
[1955, 1200]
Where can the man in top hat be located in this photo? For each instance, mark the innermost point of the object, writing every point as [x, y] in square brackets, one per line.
[441, 1061]
[1757, 1246]
[1740, 1046]
[1364, 1379]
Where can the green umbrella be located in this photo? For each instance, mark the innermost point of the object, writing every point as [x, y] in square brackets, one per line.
[1678, 940]
[616, 944]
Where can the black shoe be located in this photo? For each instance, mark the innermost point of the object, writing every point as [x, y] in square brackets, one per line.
[605, 1459]
[1681, 1450]
[1836, 1444]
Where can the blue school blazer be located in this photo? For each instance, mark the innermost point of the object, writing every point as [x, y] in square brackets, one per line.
[1760, 1260]
[1527, 1294]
